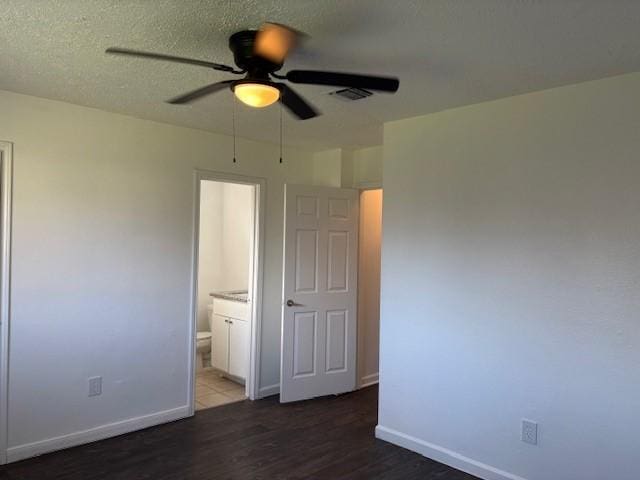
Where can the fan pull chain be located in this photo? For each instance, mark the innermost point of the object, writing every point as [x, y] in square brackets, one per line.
[280, 132]
[234, 128]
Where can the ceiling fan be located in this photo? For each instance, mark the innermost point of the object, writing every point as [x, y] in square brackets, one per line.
[258, 55]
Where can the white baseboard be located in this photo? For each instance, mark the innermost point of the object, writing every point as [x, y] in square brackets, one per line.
[368, 380]
[269, 390]
[97, 433]
[444, 455]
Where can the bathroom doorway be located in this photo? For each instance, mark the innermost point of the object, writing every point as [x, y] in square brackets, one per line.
[227, 294]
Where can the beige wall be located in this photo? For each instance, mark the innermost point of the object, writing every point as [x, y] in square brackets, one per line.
[369, 285]
[101, 263]
[511, 283]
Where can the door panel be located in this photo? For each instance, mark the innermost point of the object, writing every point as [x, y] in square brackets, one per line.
[305, 327]
[306, 260]
[308, 206]
[220, 342]
[320, 281]
[337, 344]
[338, 262]
[339, 208]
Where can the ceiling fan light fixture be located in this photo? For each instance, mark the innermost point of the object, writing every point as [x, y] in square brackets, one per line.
[259, 55]
[256, 94]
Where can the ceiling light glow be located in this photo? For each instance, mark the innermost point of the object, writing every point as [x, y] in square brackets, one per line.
[256, 94]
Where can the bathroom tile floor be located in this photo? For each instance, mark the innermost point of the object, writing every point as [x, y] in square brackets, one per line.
[213, 390]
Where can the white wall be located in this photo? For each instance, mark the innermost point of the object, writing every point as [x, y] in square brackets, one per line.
[237, 217]
[348, 168]
[101, 266]
[365, 166]
[511, 283]
[210, 247]
[369, 240]
[327, 166]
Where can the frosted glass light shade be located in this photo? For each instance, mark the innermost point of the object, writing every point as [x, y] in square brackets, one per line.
[256, 94]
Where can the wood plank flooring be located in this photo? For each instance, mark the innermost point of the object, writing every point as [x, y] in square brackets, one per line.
[326, 438]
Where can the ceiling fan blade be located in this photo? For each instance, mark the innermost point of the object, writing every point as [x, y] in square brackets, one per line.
[170, 58]
[274, 41]
[200, 92]
[295, 103]
[315, 77]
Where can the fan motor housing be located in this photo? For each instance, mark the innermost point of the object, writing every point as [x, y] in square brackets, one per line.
[242, 45]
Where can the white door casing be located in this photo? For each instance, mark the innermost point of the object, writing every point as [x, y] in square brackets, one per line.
[6, 163]
[318, 354]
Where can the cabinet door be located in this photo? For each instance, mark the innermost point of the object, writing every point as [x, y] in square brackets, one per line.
[220, 343]
[238, 347]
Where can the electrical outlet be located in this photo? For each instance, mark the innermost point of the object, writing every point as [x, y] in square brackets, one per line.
[529, 432]
[95, 386]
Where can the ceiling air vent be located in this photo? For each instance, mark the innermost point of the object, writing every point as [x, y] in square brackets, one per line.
[351, 94]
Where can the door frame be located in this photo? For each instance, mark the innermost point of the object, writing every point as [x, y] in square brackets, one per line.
[6, 171]
[253, 378]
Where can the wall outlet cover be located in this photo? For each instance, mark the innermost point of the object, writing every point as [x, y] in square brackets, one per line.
[529, 432]
[95, 386]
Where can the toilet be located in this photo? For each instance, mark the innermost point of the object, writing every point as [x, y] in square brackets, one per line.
[203, 343]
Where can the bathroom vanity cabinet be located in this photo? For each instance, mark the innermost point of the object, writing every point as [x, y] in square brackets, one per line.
[230, 337]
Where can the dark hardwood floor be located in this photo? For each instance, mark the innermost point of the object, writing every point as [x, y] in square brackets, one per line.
[326, 438]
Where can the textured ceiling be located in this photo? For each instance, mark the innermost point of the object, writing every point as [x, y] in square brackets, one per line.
[446, 54]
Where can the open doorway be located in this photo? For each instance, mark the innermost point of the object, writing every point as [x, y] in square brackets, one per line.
[369, 259]
[227, 293]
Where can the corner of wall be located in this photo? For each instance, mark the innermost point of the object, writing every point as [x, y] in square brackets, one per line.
[348, 168]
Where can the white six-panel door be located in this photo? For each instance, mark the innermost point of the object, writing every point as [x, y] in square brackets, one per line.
[319, 292]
